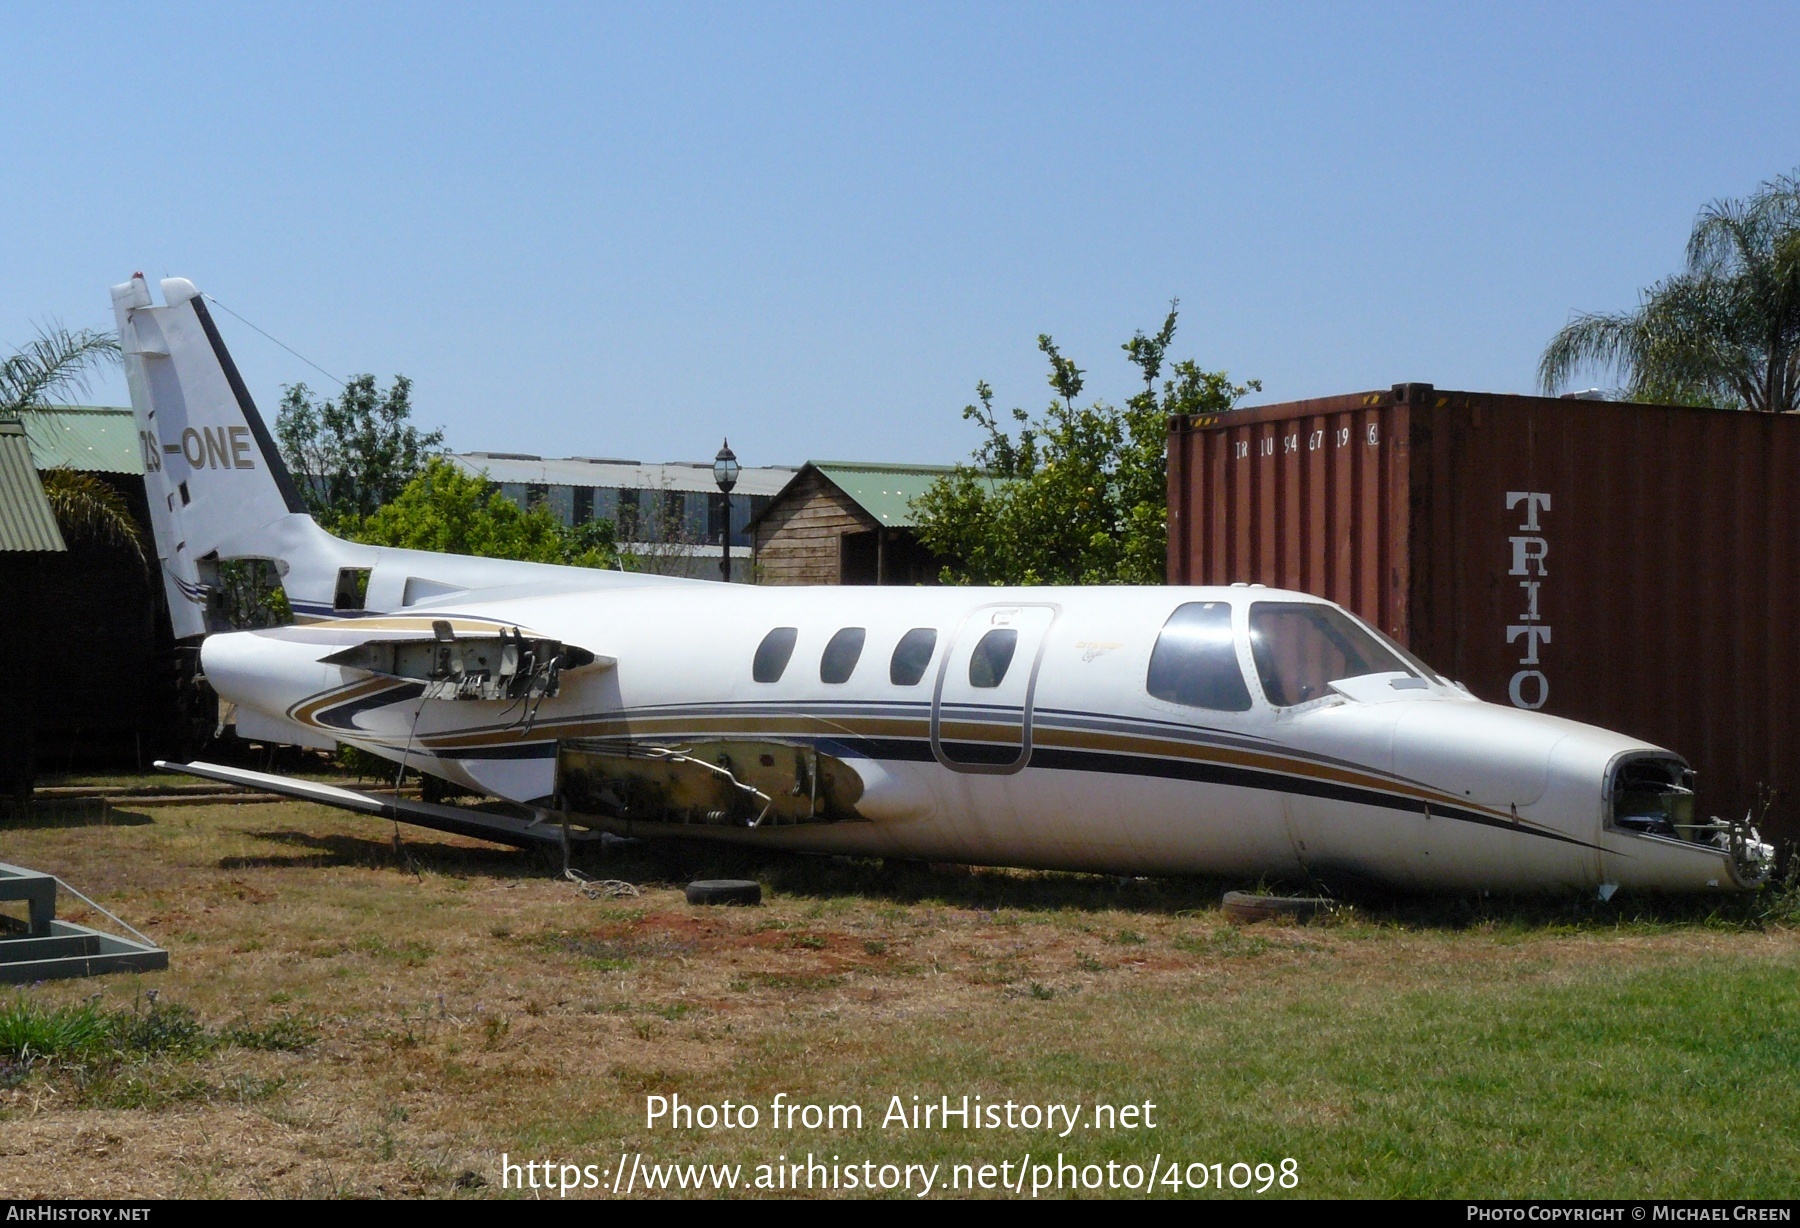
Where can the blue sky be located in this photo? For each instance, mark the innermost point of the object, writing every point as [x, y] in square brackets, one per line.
[627, 231]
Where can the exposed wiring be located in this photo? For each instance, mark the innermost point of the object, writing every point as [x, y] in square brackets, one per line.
[601, 888]
[675, 754]
[533, 698]
[407, 753]
[399, 846]
[592, 888]
[550, 672]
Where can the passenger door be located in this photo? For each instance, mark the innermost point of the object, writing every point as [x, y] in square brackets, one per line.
[986, 683]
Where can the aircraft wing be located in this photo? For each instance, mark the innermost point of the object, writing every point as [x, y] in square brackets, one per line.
[501, 828]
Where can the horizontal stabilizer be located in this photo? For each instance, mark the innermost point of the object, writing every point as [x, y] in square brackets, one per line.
[500, 828]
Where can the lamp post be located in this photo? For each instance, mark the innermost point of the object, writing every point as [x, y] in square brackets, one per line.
[725, 473]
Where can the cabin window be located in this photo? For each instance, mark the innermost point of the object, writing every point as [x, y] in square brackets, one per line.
[773, 653]
[841, 655]
[1195, 661]
[1300, 648]
[911, 655]
[992, 656]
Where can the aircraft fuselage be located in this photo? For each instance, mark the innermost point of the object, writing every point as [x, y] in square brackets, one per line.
[1065, 760]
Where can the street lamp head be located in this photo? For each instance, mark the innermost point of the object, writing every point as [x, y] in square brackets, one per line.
[725, 468]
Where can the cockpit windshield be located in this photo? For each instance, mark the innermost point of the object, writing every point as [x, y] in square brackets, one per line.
[1301, 647]
[1413, 662]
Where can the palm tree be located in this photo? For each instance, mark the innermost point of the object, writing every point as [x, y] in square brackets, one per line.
[1725, 332]
[56, 362]
[87, 509]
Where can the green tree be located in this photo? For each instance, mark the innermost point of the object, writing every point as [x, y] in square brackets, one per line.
[1080, 494]
[352, 453]
[451, 511]
[1724, 332]
[251, 596]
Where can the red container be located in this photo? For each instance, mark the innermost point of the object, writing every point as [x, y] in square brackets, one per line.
[1633, 566]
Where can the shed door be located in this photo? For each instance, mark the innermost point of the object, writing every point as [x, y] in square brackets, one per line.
[981, 707]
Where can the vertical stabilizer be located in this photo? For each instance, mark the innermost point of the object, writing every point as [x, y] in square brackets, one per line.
[213, 476]
[218, 489]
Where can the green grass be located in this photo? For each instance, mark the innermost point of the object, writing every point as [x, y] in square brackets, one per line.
[32, 1032]
[142, 1058]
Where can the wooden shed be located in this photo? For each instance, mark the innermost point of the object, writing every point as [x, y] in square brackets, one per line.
[841, 522]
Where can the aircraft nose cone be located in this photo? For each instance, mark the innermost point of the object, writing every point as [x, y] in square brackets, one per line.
[1487, 754]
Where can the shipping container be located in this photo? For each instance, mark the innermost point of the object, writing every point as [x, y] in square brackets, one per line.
[1632, 566]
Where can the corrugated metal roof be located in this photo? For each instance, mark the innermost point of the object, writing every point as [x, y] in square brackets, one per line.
[885, 492]
[618, 474]
[26, 522]
[92, 438]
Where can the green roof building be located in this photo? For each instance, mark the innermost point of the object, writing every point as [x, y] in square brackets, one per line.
[27, 526]
[91, 438]
[845, 522]
[90, 613]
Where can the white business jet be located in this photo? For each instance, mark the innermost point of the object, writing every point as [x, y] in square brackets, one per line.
[1232, 731]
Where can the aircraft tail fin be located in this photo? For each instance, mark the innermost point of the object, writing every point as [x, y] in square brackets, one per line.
[218, 489]
[214, 479]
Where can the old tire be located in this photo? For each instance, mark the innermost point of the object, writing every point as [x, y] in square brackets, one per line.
[724, 891]
[1244, 908]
